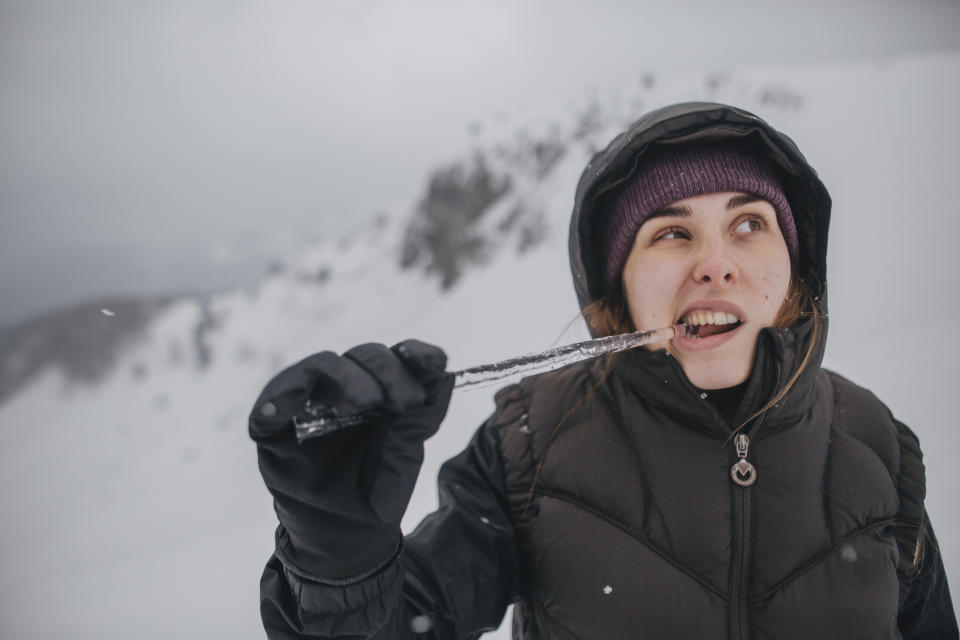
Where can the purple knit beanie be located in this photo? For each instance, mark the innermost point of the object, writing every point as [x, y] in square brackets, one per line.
[669, 174]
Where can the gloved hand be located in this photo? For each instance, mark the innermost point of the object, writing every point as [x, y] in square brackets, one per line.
[340, 497]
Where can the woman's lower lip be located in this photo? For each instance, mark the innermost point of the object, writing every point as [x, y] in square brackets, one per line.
[710, 342]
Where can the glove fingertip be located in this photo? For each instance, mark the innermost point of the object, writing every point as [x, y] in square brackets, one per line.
[261, 429]
[421, 356]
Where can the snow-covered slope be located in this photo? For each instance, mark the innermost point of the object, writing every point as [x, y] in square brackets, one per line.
[132, 507]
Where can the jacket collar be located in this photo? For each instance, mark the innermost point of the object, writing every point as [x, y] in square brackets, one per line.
[656, 378]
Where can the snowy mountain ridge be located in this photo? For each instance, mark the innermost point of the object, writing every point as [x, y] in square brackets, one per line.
[133, 500]
[495, 198]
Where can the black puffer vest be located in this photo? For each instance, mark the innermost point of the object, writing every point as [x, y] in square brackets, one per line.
[631, 525]
[622, 481]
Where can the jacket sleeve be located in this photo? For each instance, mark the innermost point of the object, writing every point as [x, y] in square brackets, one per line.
[453, 577]
[927, 612]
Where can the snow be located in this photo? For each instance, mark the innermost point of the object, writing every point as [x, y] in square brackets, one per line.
[848, 553]
[134, 508]
[421, 624]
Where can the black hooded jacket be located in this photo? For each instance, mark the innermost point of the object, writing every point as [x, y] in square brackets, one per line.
[599, 499]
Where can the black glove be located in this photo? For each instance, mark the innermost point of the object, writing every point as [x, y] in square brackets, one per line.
[340, 497]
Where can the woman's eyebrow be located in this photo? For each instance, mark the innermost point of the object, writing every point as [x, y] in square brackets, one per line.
[740, 200]
[681, 211]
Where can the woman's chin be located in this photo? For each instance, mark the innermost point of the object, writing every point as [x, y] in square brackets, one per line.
[715, 373]
[717, 362]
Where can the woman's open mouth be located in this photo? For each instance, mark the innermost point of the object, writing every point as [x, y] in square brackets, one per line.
[704, 323]
[708, 328]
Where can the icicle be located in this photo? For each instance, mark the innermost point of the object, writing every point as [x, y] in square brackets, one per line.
[562, 356]
[316, 421]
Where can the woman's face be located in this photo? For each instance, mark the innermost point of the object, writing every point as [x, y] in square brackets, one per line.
[717, 261]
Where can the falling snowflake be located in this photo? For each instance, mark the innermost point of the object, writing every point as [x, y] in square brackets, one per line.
[607, 590]
[107, 312]
[268, 409]
[848, 553]
[421, 624]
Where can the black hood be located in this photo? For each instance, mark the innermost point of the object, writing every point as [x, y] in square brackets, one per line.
[685, 122]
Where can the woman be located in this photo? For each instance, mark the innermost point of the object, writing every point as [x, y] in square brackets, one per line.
[721, 485]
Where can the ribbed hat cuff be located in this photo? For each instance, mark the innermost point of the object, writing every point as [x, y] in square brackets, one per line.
[675, 174]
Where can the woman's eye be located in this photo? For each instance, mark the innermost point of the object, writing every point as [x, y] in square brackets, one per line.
[749, 225]
[671, 234]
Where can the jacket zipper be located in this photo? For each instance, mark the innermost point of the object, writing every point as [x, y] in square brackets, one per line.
[743, 474]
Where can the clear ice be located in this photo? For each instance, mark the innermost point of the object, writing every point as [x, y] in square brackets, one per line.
[558, 357]
[315, 421]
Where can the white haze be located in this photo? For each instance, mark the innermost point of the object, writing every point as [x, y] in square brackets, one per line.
[167, 145]
[134, 509]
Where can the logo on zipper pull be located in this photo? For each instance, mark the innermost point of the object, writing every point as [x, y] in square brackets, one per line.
[742, 472]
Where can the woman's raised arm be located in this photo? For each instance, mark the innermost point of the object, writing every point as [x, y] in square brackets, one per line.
[340, 568]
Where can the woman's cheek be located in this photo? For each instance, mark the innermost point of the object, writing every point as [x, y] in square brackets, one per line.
[775, 284]
[651, 301]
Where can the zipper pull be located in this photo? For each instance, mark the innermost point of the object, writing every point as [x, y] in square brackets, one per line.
[742, 472]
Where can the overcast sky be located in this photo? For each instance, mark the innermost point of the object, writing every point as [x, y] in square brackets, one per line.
[165, 146]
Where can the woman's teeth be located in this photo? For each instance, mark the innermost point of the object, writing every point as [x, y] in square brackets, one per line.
[702, 317]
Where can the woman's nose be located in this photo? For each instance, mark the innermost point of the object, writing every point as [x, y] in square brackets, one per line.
[715, 265]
